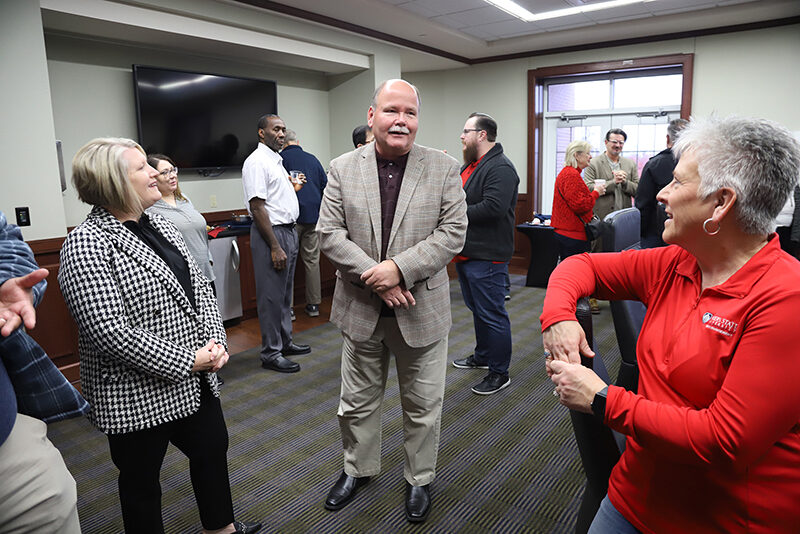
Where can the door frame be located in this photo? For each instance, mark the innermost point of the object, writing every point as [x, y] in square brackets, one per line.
[536, 79]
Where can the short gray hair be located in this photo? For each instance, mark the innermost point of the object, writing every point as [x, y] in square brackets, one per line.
[574, 148]
[383, 84]
[757, 158]
[291, 136]
[675, 128]
[100, 174]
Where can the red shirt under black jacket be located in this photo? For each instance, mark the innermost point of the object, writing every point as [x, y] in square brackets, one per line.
[713, 435]
[571, 210]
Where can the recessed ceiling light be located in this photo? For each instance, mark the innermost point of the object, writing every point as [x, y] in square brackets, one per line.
[512, 8]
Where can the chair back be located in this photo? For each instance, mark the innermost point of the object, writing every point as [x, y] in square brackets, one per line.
[597, 446]
[622, 233]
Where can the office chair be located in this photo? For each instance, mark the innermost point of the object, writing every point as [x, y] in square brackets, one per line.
[597, 445]
[622, 233]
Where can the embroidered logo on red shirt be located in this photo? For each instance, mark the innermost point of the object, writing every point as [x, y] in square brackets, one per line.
[719, 324]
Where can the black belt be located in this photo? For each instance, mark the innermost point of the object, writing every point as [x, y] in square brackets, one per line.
[287, 225]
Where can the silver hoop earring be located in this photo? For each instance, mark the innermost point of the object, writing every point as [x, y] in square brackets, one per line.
[715, 232]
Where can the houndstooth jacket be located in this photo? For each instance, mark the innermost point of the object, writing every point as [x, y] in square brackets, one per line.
[138, 333]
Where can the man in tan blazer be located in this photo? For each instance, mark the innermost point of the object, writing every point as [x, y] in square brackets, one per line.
[392, 217]
[620, 174]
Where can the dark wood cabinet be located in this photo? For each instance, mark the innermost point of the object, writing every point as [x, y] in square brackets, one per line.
[247, 277]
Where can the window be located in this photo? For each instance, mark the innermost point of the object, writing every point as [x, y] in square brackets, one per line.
[585, 107]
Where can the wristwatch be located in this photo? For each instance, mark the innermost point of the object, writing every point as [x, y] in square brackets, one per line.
[599, 404]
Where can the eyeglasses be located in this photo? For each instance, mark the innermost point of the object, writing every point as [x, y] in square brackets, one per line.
[468, 130]
[167, 172]
[616, 142]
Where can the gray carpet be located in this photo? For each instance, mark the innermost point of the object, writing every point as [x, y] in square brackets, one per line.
[507, 462]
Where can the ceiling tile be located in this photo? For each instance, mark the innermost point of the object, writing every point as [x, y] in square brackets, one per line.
[444, 7]
[419, 9]
[484, 15]
[506, 28]
[479, 33]
[448, 21]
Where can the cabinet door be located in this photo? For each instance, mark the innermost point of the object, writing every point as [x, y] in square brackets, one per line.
[247, 277]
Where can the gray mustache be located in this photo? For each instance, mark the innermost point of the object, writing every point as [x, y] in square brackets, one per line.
[399, 129]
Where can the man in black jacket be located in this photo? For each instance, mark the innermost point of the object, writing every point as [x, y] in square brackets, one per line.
[656, 174]
[490, 184]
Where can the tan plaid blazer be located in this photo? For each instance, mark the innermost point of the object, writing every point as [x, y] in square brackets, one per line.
[429, 228]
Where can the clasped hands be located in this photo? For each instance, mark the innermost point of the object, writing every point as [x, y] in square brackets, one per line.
[210, 358]
[385, 280]
[576, 385]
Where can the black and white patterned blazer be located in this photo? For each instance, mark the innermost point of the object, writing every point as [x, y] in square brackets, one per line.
[138, 333]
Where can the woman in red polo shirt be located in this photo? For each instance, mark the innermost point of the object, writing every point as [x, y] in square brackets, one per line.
[713, 435]
[573, 202]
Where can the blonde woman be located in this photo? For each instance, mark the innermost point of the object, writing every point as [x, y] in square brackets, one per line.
[150, 337]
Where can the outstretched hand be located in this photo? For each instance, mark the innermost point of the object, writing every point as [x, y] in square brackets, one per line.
[16, 301]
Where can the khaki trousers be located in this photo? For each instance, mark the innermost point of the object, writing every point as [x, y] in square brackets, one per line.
[37, 493]
[420, 373]
[309, 255]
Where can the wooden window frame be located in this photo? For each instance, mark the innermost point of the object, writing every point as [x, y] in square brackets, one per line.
[537, 79]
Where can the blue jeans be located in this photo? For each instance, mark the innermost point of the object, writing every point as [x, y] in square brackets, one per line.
[483, 289]
[609, 521]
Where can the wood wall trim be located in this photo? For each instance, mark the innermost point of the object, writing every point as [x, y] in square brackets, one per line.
[46, 246]
[537, 77]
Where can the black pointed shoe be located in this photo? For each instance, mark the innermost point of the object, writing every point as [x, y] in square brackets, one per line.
[281, 364]
[343, 491]
[293, 349]
[418, 502]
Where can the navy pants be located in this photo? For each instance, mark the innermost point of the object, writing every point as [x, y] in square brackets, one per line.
[569, 247]
[483, 289]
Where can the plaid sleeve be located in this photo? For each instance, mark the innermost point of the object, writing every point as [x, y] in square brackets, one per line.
[16, 257]
[41, 389]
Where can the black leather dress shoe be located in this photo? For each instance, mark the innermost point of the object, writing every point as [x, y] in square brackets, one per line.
[344, 490]
[418, 502]
[294, 349]
[281, 364]
[246, 527]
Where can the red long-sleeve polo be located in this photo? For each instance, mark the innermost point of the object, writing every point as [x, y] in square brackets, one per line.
[572, 204]
[713, 437]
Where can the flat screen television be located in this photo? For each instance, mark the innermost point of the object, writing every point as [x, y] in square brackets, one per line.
[204, 122]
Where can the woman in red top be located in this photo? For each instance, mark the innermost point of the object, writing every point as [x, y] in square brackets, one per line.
[713, 435]
[573, 202]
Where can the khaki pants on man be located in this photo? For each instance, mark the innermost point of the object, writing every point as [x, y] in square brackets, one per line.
[37, 492]
[420, 374]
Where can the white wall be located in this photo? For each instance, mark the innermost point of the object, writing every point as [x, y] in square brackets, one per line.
[753, 73]
[30, 166]
[92, 96]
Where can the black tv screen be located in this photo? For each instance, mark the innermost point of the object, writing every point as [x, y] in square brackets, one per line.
[203, 122]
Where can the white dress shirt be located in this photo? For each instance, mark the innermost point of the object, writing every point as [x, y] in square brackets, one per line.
[263, 176]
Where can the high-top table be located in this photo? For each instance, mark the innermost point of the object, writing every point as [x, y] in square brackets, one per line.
[544, 253]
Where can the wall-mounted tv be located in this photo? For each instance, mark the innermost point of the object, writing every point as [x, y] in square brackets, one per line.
[204, 122]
